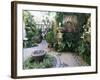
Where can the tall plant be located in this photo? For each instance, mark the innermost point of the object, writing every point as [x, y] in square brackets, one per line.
[30, 27]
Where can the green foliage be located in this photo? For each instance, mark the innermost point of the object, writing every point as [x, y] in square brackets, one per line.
[46, 63]
[59, 47]
[82, 18]
[50, 38]
[30, 34]
[31, 30]
[84, 50]
[81, 48]
[72, 40]
[59, 17]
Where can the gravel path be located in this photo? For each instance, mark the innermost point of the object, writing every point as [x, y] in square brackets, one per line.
[67, 58]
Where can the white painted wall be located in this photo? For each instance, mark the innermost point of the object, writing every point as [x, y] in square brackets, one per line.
[5, 40]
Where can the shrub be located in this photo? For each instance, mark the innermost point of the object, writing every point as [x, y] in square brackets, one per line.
[46, 63]
[50, 38]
